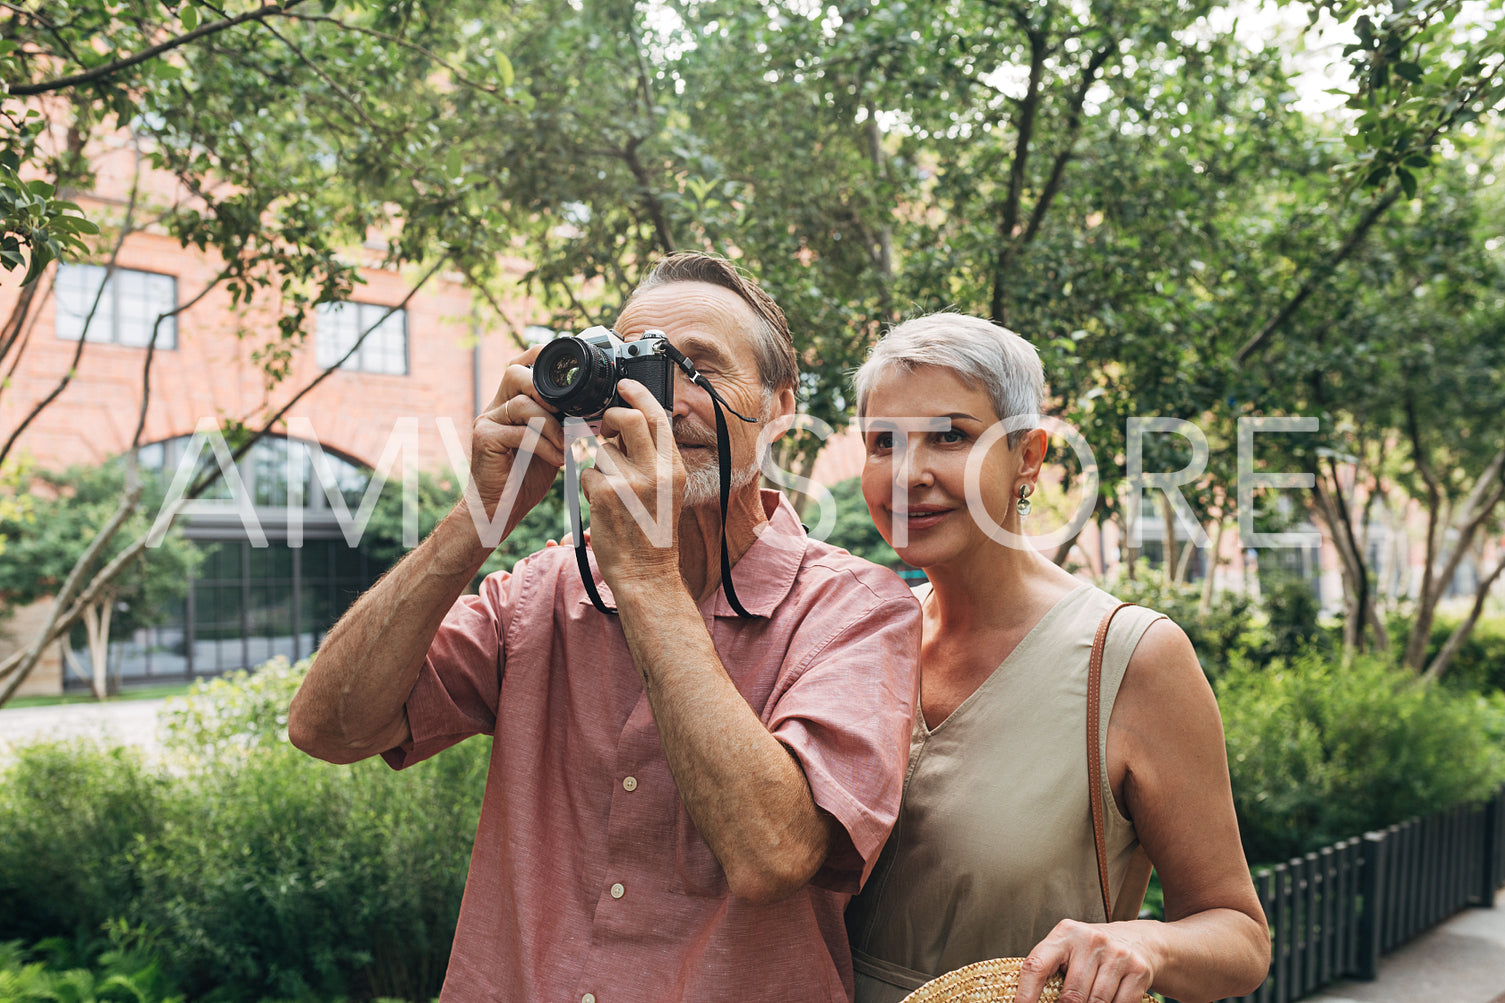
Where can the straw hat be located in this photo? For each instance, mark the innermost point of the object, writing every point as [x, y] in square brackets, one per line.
[985, 982]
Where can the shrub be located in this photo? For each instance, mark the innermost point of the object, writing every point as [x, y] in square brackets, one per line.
[283, 876]
[1291, 618]
[1321, 751]
[56, 970]
[73, 816]
[287, 877]
[1479, 664]
[221, 721]
[1223, 633]
[259, 872]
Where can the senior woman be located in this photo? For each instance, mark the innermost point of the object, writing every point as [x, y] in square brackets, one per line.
[994, 852]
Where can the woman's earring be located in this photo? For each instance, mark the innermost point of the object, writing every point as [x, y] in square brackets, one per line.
[1025, 490]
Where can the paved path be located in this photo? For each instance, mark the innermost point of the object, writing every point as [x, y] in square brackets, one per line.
[119, 722]
[1461, 961]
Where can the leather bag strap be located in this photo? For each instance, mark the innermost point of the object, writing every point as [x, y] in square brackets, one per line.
[1094, 754]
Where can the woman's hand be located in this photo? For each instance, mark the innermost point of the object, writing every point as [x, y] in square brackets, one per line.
[1099, 966]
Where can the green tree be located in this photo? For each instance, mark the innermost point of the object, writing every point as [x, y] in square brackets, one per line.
[292, 132]
[52, 539]
[1127, 184]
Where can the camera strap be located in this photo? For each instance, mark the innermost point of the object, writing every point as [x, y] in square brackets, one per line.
[723, 463]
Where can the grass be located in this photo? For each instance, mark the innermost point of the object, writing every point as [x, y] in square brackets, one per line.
[152, 692]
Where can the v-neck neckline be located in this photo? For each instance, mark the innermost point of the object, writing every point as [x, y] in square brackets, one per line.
[997, 669]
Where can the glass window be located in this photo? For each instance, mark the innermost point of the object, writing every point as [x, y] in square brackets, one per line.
[269, 463]
[385, 348]
[265, 471]
[127, 310]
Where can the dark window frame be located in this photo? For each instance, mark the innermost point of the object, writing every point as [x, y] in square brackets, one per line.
[330, 348]
[110, 313]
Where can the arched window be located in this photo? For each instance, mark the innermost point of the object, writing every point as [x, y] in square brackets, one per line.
[246, 603]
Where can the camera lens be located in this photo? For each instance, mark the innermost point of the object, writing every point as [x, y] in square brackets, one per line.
[575, 377]
[565, 371]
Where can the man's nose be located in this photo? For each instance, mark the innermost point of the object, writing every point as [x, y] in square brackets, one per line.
[684, 395]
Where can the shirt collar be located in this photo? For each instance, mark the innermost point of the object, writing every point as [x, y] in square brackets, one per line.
[763, 576]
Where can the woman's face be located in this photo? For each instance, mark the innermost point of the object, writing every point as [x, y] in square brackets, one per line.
[915, 484]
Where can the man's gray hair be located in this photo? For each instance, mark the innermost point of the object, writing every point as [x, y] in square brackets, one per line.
[778, 366]
[994, 358]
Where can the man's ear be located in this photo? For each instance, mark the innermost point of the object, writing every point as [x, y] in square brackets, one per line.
[783, 416]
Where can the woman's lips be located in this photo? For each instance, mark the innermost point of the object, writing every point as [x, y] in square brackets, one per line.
[923, 516]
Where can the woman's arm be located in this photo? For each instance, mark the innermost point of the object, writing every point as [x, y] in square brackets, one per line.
[1168, 769]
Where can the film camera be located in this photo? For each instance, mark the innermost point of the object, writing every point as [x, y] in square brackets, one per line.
[577, 375]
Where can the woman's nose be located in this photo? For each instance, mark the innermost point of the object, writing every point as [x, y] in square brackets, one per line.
[914, 468]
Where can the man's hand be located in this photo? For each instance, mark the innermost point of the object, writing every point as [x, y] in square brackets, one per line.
[635, 491]
[516, 428]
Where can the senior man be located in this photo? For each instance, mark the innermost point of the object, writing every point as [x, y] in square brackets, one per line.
[680, 799]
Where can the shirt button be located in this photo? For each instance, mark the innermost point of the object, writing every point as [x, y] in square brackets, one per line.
[617, 891]
[630, 784]
[588, 998]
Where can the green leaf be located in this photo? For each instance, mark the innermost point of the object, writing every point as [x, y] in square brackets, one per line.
[189, 16]
[504, 69]
[1407, 181]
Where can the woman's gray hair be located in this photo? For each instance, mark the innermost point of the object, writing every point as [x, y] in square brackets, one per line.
[996, 359]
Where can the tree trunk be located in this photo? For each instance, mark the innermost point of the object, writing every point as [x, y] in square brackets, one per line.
[1455, 640]
[1218, 526]
[1487, 494]
[97, 625]
[1129, 553]
[1361, 623]
[1170, 553]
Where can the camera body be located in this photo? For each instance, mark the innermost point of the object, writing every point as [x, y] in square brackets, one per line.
[577, 375]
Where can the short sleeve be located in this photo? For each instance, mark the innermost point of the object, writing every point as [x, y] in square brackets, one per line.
[847, 716]
[459, 685]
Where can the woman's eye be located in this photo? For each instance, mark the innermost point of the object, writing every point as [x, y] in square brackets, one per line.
[952, 436]
[881, 442]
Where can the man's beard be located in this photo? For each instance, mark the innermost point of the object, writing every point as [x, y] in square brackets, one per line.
[703, 480]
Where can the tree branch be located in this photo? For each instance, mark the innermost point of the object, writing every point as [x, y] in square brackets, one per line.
[1460, 633]
[22, 662]
[126, 62]
[1068, 147]
[288, 406]
[1329, 265]
[1009, 219]
[83, 336]
[16, 323]
[343, 94]
[650, 198]
[151, 349]
[496, 307]
[404, 43]
[1485, 497]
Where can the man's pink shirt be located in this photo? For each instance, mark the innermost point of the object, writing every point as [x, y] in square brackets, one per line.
[588, 881]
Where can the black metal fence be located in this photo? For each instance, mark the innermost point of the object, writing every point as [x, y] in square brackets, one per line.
[1334, 912]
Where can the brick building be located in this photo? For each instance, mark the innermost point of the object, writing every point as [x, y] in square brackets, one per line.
[429, 362]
